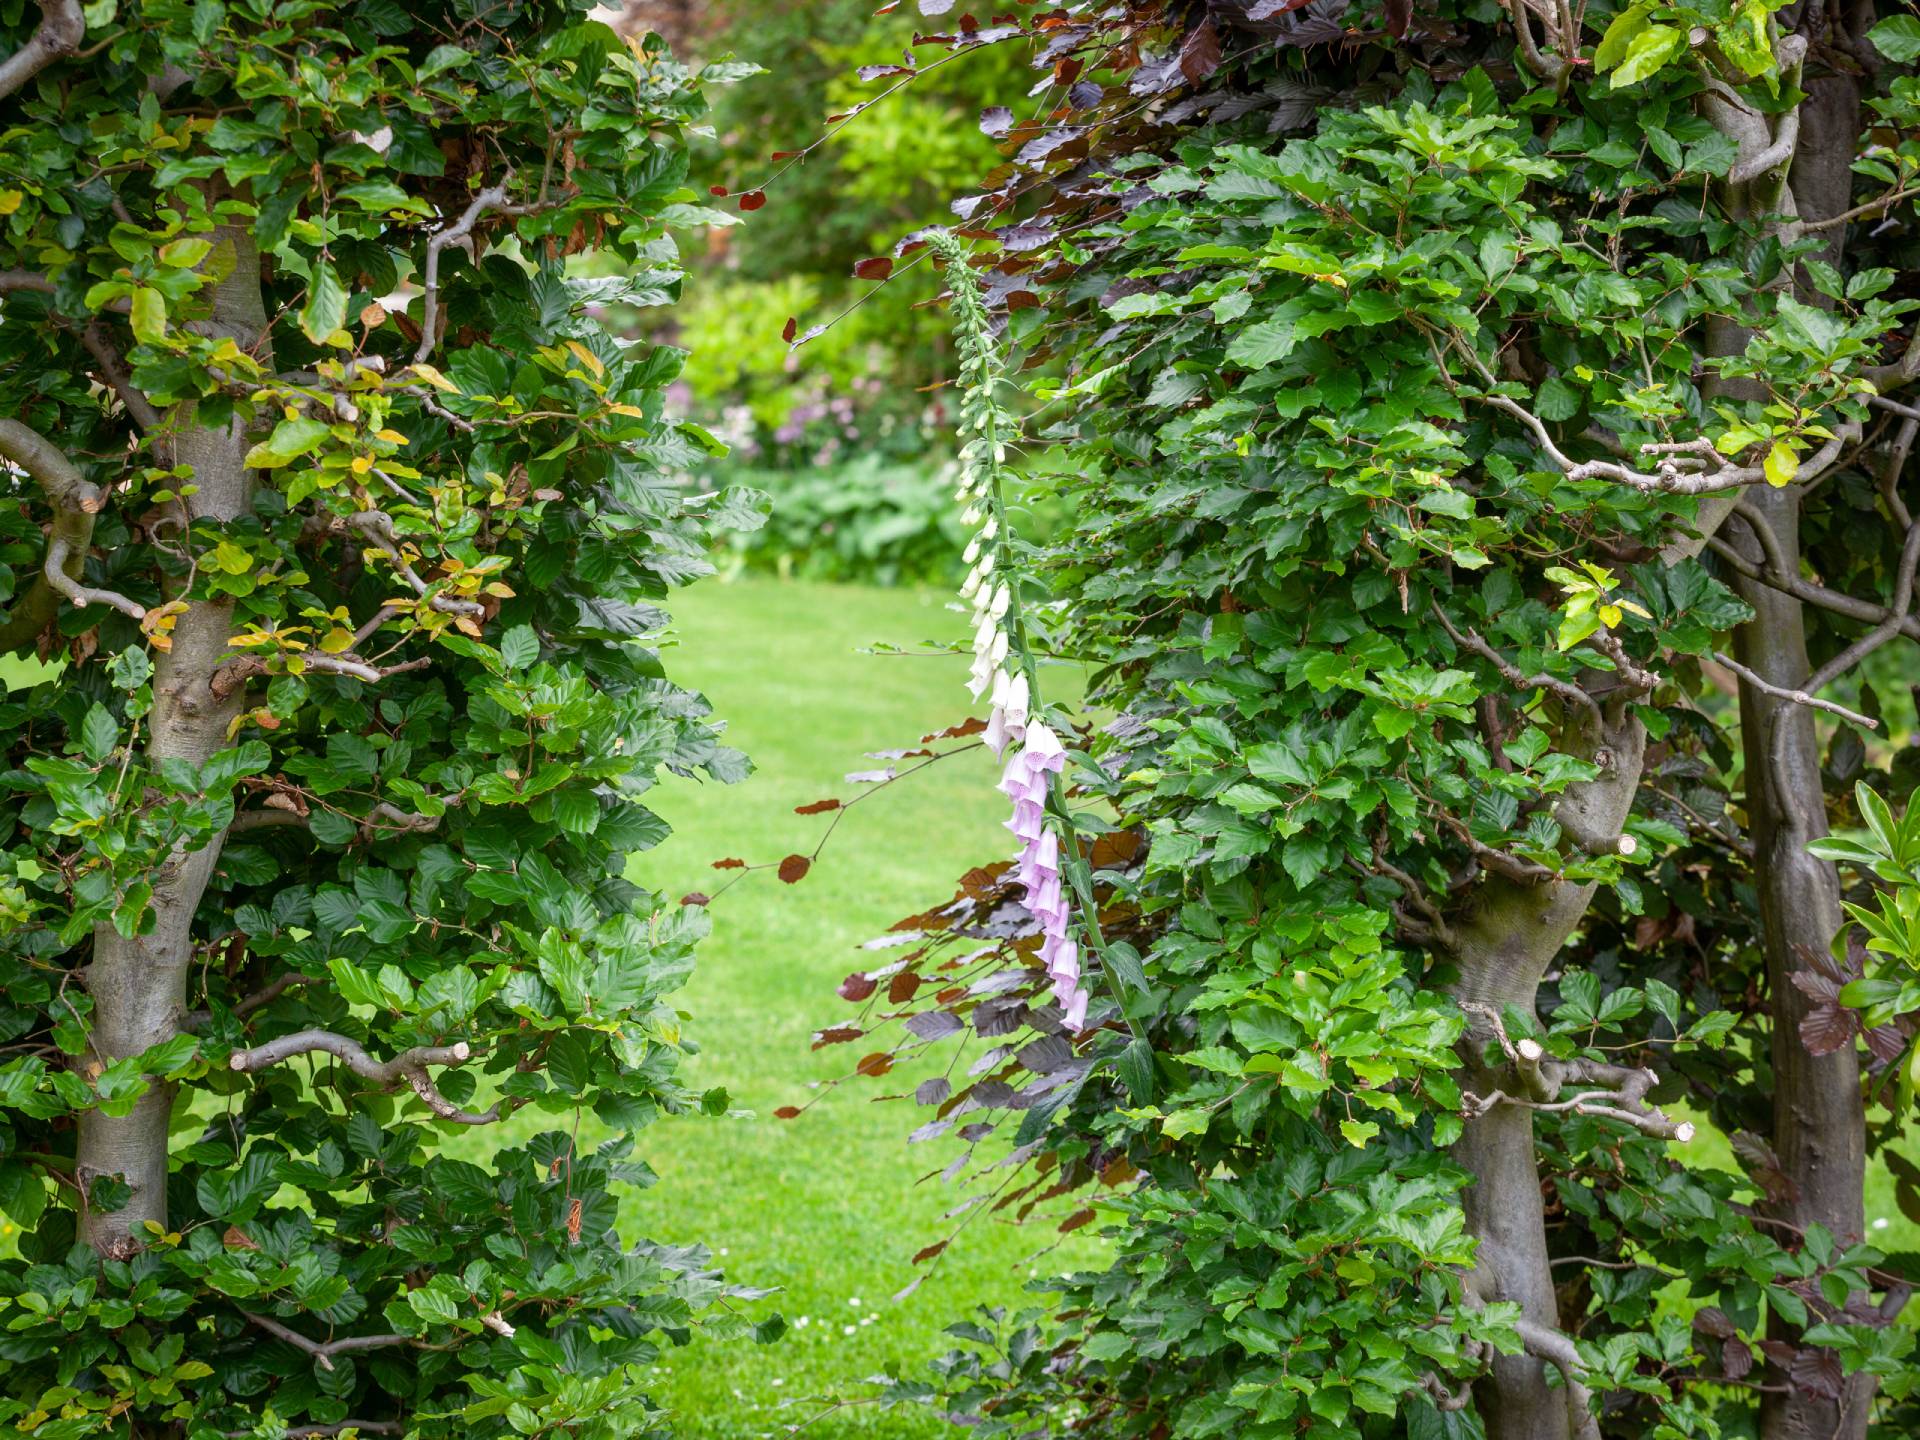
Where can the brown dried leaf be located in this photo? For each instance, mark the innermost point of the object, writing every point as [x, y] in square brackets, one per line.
[857, 986]
[878, 1063]
[902, 987]
[786, 1112]
[794, 868]
[836, 1035]
[818, 807]
[929, 1252]
[730, 863]
[1076, 1220]
[972, 725]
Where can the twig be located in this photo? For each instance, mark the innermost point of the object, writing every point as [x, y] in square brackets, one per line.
[234, 672]
[62, 26]
[1513, 674]
[114, 372]
[1798, 697]
[323, 1351]
[376, 526]
[75, 502]
[408, 1065]
[492, 200]
[1858, 211]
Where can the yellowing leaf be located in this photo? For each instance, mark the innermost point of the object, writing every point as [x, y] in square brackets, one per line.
[231, 558]
[149, 315]
[186, 253]
[434, 378]
[633, 410]
[392, 437]
[587, 358]
[1781, 464]
[335, 641]
[10, 201]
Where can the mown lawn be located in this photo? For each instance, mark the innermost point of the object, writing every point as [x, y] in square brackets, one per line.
[826, 1206]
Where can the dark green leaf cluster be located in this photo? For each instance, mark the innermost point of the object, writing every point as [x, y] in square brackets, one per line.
[384, 892]
[1375, 519]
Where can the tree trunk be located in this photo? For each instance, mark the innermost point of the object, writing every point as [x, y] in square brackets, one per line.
[1819, 1123]
[1504, 946]
[139, 986]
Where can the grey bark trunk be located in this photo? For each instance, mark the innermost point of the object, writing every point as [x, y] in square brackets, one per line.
[1504, 946]
[1819, 1123]
[139, 986]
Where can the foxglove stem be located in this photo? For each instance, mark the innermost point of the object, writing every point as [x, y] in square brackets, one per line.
[1050, 866]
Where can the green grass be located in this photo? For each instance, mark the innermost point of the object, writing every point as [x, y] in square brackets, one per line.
[826, 1206]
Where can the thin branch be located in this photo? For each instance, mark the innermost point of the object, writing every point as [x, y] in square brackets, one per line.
[230, 676]
[1431, 920]
[114, 372]
[1623, 1097]
[1872, 207]
[62, 26]
[1798, 697]
[1558, 1350]
[376, 527]
[1551, 68]
[1788, 583]
[1512, 673]
[323, 1351]
[258, 1000]
[1688, 467]
[75, 502]
[1778, 154]
[1898, 613]
[1596, 1103]
[1897, 462]
[264, 819]
[492, 200]
[1443, 1398]
[385, 819]
[409, 1066]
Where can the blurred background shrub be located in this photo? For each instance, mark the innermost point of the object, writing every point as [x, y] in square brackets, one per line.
[849, 433]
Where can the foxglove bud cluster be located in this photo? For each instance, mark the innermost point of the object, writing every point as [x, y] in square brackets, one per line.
[1032, 752]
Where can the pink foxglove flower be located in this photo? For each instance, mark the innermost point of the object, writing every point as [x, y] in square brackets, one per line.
[1008, 722]
[1027, 778]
